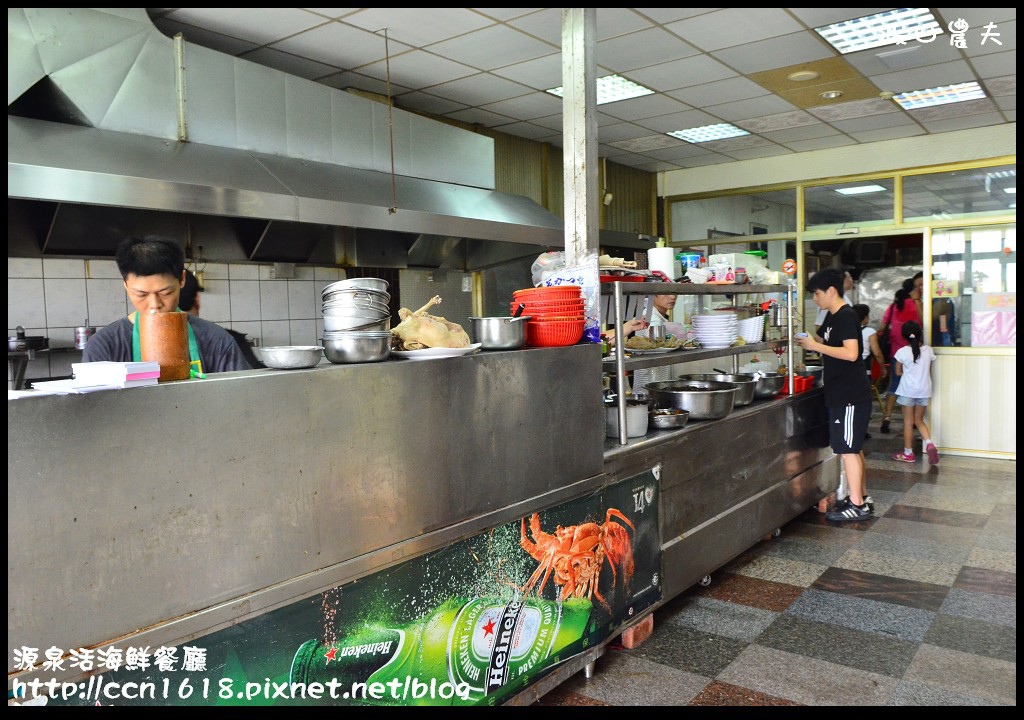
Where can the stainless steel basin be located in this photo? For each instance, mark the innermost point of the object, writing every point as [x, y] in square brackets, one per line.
[704, 399]
[745, 384]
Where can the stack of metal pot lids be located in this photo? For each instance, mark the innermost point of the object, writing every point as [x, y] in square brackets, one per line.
[356, 305]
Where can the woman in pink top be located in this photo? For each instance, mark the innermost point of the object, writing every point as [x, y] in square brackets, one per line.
[903, 308]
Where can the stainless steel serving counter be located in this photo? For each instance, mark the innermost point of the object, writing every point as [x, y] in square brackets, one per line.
[156, 514]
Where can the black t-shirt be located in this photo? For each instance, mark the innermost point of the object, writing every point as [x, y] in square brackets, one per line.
[845, 380]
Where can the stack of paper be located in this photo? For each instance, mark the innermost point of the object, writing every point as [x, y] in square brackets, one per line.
[116, 374]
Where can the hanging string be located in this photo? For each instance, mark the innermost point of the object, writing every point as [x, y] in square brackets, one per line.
[391, 130]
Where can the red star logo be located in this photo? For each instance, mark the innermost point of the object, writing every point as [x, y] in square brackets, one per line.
[489, 628]
[331, 654]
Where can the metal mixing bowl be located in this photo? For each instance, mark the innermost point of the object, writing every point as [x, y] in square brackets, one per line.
[745, 384]
[357, 347]
[768, 384]
[500, 333]
[291, 357]
[705, 399]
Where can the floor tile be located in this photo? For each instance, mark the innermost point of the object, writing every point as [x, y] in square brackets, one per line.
[623, 678]
[861, 614]
[808, 551]
[805, 680]
[993, 560]
[960, 672]
[988, 581]
[791, 572]
[915, 548]
[915, 693]
[695, 652]
[561, 696]
[750, 591]
[996, 609]
[976, 506]
[841, 645]
[884, 588]
[899, 566]
[928, 531]
[973, 636]
[722, 693]
[933, 515]
[716, 617]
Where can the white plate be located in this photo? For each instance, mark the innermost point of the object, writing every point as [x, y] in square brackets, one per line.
[428, 353]
[652, 351]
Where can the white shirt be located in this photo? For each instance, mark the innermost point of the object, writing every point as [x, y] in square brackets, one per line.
[916, 381]
[866, 332]
[656, 374]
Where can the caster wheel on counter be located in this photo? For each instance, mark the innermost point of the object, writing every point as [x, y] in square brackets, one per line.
[704, 581]
[776, 532]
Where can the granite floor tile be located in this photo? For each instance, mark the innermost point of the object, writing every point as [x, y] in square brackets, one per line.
[819, 533]
[781, 570]
[882, 618]
[914, 693]
[927, 531]
[965, 673]
[932, 515]
[983, 580]
[1002, 543]
[973, 636]
[750, 591]
[993, 560]
[563, 697]
[808, 551]
[805, 680]
[915, 548]
[716, 617]
[884, 588]
[841, 645]
[977, 506]
[623, 678]
[695, 652]
[1000, 528]
[899, 566]
[987, 498]
[996, 609]
[720, 693]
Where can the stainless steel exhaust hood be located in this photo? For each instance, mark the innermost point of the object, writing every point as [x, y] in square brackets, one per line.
[60, 163]
[274, 167]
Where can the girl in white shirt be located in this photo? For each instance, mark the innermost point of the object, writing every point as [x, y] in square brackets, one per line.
[914, 364]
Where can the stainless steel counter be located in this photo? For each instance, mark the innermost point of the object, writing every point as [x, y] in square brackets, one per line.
[160, 513]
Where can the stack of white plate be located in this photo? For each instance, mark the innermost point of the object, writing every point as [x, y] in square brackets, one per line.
[716, 331]
[751, 329]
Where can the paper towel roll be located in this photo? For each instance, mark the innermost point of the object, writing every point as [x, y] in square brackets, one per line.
[663, 259]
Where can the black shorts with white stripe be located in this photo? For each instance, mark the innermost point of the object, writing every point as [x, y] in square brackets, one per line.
[847, 426]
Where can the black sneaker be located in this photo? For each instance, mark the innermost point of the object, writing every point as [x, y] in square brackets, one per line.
[885, 426]
[869, 503]
[850, 513]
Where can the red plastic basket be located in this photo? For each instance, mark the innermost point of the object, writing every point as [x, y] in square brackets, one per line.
[537, 306]
[554, 333]
[560, 292]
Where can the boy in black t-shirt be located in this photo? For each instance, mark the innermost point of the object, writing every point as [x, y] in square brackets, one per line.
[847, 388]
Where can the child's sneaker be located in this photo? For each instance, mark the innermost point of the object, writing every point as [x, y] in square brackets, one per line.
[904, 457]
[885, 426]
[849, 513]
[933, 454]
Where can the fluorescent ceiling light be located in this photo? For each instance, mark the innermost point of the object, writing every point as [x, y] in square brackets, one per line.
[612, 88]
[944, 95]
[860, 189]
[1012, 191]
[708, 133]
[887, 28]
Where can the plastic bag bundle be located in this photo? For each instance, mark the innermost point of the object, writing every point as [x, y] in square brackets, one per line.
[550, 270]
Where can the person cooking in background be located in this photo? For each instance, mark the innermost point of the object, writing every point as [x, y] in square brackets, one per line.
[153, 270]
[188, 301]
[661, 313]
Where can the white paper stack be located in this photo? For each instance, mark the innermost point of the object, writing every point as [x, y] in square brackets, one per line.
[116, 374]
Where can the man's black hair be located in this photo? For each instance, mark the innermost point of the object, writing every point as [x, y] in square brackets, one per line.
[824, 279]
[189, 291]
[150, 256]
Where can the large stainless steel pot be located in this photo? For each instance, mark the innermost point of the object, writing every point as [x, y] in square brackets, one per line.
[745, 384]
[705, 399]
[500, 333]
[768, 384]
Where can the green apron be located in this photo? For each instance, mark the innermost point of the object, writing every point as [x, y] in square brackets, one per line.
[196, 364]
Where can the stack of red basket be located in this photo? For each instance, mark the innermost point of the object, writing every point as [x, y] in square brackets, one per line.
[557, 314]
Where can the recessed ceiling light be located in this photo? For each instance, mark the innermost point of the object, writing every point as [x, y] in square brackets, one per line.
[802, 76]
[708, 133]
[960, 92]
[832, 94]
[860, 189]
[612, 88]
[887, 28]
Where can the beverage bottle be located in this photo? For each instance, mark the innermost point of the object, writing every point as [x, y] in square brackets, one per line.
[464, 652]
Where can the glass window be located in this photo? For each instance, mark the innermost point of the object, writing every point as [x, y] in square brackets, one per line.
[974, 286]
[862, 203]
[762, 213]
[960, 193]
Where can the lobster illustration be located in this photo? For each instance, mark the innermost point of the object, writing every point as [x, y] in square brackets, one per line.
[573, 556]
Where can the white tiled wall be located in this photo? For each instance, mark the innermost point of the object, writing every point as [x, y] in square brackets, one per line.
[51, 296]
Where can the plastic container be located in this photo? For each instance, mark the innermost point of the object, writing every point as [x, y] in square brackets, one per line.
[554, 333]
[561, 292]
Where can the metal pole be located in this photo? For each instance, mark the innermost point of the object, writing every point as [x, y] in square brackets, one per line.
[620, 362]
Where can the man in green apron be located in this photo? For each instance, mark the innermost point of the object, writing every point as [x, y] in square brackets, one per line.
[153, 270]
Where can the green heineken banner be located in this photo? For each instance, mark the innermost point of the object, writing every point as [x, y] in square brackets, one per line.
[471, 623]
